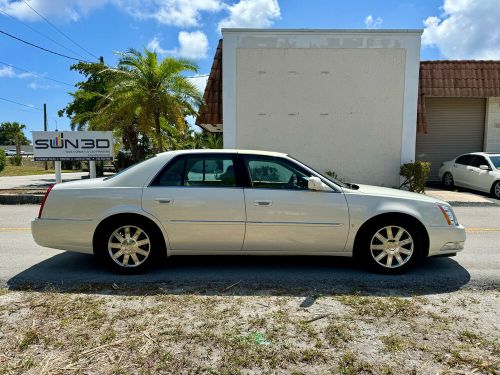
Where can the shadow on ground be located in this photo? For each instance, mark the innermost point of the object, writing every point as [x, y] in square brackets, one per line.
[245, 275]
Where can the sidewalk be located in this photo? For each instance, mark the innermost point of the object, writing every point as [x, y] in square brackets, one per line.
[39, 181]
[460, 198]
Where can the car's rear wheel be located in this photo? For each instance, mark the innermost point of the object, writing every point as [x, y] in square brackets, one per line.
[392, 247]
[129, 245]
[448, 181]
[495, 190]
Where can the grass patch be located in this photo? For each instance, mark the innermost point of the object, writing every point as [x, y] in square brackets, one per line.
[379, 307]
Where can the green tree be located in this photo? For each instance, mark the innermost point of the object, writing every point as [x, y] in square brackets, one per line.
[149, 90]
[2, 160]
[14, 135]
[11, 133]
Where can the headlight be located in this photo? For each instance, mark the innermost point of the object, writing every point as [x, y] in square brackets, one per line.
[448, 214]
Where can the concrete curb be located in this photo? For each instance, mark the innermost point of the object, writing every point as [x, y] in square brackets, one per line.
[21, 198]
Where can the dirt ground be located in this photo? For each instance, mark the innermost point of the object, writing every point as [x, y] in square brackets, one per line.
[231, 330]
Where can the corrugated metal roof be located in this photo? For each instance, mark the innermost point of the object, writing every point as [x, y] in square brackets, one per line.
[442, 78]
[210, 114]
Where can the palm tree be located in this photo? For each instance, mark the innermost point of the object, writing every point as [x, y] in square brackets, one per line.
[15, 135]
[149, 91]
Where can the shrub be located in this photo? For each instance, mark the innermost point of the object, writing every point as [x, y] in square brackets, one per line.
[335, 176]
[415, 175]
[16, 160]
[2, 160]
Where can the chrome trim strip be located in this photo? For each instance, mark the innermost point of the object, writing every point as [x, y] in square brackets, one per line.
[295, 223]
[209, 221]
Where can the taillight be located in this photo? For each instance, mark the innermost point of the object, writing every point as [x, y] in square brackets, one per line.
[43, 201]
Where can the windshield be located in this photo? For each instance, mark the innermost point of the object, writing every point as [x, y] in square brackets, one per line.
[334, 180]
[496, 161]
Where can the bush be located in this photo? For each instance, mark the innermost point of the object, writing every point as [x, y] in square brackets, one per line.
[335, 176]
[16, 160]
[415, 175]
[2, 160]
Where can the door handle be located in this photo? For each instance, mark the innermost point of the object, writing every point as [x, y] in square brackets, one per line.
[263, 203]
[164, 200]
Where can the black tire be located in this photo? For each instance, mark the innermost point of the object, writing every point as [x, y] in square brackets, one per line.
[143, 251]
[495, 190]
[448, 180]
[371, 246]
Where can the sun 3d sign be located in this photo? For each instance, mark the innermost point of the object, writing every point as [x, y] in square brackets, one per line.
[72, 145]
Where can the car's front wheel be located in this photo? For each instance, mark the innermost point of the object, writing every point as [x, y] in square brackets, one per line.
[391, 247]
[129, 245]
[448, 180]
[495, 190]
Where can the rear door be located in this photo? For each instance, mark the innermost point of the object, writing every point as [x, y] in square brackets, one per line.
[284, 215]
[200, 202]
[459, 170]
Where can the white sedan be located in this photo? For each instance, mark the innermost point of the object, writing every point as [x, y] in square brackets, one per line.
[241, 202]
[477, 170]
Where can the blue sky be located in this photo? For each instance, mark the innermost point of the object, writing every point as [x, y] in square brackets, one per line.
[454, 29]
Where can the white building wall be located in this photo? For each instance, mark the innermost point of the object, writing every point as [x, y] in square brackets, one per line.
[338, 100]
[492, 136]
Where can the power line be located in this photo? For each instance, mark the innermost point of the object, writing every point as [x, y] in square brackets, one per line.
[42, 34]
[24, 105]
[36, 75]
[59, 31]
[42, 48]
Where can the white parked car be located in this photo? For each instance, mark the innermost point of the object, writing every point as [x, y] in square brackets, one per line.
[233, 202]
[10, 152]
[477, 170]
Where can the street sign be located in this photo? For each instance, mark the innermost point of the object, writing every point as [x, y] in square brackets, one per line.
[72, 145]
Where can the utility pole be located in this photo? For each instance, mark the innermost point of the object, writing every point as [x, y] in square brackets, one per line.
[45, 128]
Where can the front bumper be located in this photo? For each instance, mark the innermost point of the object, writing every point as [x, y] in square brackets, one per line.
[64, 234]
[446, 240]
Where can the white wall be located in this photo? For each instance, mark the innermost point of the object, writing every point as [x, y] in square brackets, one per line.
[338, 100]
[492, 136]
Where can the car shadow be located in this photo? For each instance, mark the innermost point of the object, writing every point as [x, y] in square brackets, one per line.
[241, 275]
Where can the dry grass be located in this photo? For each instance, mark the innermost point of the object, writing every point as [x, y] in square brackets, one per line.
[75, 333]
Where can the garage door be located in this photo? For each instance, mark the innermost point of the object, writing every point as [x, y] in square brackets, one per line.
[454, 126]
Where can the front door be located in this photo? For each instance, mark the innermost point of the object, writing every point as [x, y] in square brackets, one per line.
[199, 202]
[284, 215]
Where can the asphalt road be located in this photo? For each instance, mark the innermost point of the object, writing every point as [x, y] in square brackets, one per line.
[23, 263]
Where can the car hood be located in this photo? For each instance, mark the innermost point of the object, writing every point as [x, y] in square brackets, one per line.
[393, 193]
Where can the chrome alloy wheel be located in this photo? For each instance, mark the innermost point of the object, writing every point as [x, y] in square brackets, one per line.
[129, 246]
[392, 246]
[448, 179]
[497, 190]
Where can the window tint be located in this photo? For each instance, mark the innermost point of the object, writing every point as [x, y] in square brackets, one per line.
[496, 161]
[198, 171]
[274, 173]
[479, 160]
[464, 159]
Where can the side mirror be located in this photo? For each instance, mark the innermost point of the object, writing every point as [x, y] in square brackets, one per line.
[315, 183]
[484, 167]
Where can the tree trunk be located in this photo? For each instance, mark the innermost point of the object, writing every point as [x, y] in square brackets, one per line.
[158, 133]
[18, 147]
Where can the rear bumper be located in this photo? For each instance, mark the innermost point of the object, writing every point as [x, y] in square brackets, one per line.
[446, 240]
[64, 234]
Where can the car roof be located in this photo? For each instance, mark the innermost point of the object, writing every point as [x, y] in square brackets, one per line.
[220, 151]
[483, 153]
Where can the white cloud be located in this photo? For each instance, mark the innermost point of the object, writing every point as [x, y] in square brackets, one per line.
[36, 85]
[251, 13]
[182, 13]
[66, 10]
[200, 82]
[467, 29]
[192, 45]
[373, 23]
[7, 72]
[154, 45]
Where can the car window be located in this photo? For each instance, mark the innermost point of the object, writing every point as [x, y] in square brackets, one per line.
[496, 161]
[478, 160]
[464, 160]
[204, 171]
[275, 173]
